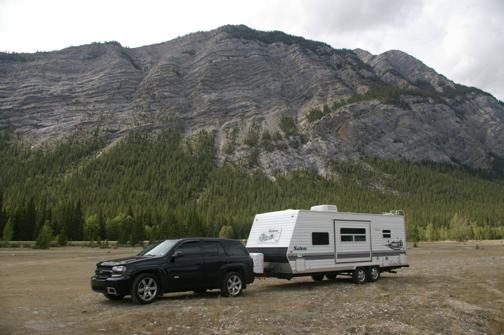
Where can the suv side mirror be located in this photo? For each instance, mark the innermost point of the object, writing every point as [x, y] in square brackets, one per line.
[177, 254]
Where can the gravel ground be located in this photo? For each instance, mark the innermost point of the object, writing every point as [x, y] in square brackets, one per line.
[450, 288]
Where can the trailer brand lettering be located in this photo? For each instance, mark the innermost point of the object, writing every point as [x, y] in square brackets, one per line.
[299, 248]
[271, 235]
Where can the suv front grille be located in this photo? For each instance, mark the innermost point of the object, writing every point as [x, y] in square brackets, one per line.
[103, 272]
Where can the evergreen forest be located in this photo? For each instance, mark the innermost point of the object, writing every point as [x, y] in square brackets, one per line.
[149, 187]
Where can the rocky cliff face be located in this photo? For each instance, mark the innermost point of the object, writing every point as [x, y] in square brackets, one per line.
[275, 101]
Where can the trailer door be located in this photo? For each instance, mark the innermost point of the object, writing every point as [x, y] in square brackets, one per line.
[352, 241]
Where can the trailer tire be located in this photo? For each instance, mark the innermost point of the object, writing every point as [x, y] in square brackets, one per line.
[373, 273]
[317, 277]
[359, 276]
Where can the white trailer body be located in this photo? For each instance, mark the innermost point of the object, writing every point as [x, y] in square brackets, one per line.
[325, 241]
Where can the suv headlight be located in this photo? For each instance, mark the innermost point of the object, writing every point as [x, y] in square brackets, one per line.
[118, 271]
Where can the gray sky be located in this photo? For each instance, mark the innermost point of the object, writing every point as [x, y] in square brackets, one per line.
[462, 39]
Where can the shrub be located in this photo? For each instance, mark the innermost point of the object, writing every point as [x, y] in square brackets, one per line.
[252, 138]
[253, 158]
[288, 126]
[266, 141]
[314, 114]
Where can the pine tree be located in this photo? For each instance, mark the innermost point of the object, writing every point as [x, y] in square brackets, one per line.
[124, 233]
[102, 229]
[8, 231]
[137, 233]
[91, 229]
[430, 233]
[78, 222]
[62, 238]
[44, 238]
[226, 232]
[40, 218]
[30, 220]
[3, 219]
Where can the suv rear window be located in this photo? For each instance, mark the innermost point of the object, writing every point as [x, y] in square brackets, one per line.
[237, 249]
[212, 249]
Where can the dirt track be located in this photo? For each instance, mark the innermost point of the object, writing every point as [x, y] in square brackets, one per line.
[451, 288]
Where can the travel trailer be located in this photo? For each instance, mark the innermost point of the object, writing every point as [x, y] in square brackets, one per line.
[322, 242]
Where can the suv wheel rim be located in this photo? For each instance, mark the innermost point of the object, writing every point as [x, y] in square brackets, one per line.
[234, 284]
[147, 289]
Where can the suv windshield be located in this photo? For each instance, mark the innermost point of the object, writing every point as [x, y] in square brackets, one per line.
[159, 249]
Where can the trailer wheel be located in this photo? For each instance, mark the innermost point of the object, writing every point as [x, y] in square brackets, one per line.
[359, 276]
[317, 277]
[373, 274]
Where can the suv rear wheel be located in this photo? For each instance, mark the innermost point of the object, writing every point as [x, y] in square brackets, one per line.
[232, 285]
[145, 288]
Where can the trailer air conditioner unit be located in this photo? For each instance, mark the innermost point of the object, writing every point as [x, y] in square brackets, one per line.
[324, 208]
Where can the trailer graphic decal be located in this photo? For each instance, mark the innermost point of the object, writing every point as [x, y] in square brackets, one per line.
[395, 245]
[270, 236]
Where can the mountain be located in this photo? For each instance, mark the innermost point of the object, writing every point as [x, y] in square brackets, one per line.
[279, 102]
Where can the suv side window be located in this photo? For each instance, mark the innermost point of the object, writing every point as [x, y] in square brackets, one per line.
[190, 249]
[211, 248]
[237, 249]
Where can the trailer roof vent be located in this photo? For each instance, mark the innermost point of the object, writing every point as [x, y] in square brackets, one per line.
[324, 208]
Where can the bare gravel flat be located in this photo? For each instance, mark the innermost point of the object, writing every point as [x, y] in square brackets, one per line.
[450, 288]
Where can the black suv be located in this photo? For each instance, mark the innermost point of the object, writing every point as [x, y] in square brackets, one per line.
[191, 264]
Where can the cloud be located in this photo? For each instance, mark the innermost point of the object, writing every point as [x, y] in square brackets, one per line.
[462, 40]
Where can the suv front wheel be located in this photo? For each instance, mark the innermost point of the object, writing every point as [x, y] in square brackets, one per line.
[232, 285]
[145, 289]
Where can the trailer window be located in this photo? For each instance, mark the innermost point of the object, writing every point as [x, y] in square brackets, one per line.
[386, 233]
[346, 238]
[353, 234]
[320, 238]
[360, 238]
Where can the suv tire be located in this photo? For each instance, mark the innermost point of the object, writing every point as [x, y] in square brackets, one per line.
[145, 288]
[232, 285]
